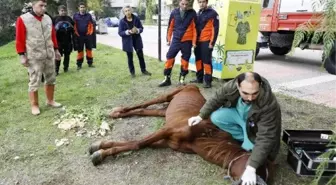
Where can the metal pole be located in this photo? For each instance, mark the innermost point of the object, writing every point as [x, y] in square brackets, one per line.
[159, 33]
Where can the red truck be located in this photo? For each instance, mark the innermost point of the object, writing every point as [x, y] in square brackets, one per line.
[278, 21]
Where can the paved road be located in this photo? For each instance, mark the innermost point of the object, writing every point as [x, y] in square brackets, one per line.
[299, 75]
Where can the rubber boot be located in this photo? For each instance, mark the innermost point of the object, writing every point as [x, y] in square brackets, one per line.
[181, 80]
[49, 90]
[207, 81]
[33, 96]
[165, 82]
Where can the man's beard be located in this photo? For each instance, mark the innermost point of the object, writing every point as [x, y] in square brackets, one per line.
[247, 102]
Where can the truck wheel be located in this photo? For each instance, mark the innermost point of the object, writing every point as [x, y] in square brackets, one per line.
[279, 50]
[330, 63]
[257, 51]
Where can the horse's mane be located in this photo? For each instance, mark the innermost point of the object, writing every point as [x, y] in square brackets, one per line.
[220, 147]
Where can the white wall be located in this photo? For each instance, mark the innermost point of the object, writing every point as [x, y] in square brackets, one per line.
[122, 3]
[296, 6]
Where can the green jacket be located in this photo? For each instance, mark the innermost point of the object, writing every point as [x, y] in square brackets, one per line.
[265, 113]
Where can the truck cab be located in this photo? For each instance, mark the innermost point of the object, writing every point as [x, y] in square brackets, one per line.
[280, 19]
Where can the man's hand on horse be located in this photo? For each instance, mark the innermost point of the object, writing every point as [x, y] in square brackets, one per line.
[249, 176]
[194, 120]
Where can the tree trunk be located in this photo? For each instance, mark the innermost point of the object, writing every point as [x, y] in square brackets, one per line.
[72, 7]
[149, 12]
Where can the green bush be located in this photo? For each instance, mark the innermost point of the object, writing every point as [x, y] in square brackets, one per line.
[7, 35]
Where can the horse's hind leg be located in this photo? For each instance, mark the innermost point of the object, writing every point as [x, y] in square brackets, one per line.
[161, 99]
[139, 112]
[110, 144]
[98, 156]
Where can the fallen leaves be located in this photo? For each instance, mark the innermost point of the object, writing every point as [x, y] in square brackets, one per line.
[63, 141]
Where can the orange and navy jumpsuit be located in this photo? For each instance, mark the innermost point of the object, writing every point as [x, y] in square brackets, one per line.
[83, 33]
[207, 31]
[181, 34]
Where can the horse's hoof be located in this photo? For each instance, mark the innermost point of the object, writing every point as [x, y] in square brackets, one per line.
[115, 112]
[118, 109]
[114, 115]
[96, 157]
[94, 147]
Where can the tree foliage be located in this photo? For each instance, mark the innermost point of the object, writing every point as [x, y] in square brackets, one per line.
[326, 156]
[151, 8]
[324, 31]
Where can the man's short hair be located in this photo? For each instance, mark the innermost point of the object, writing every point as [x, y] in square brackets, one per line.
[241, 77]
[127, 6]
[35, 1]
[61, 7]
[81, 4]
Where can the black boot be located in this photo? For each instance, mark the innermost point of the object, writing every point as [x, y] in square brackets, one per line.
[79, 64]
[181, 80]
[165, 82]
[207, 85]
[207, 81]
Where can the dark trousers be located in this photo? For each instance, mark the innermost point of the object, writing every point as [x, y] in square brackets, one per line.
[84, 41]
[203, 60]
[141, 61]
[66, 54]
[175, 47]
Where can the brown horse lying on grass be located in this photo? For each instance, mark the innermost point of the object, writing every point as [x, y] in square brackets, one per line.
[204, 139]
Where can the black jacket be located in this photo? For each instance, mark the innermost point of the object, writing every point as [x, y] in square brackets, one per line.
[64, 26]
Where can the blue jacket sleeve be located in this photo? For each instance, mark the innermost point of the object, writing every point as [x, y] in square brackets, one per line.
[216, 28]
[139, 25]
[122, 30]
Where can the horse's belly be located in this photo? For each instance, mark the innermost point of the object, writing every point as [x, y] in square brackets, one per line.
[183, 106]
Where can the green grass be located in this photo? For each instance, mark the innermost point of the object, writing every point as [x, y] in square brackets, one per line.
[94, 92]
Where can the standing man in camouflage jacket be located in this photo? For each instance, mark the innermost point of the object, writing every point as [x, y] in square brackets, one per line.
[37, 46]
[247, 109]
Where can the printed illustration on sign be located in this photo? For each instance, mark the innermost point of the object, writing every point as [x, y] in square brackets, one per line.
[239, 20]
[235, 59]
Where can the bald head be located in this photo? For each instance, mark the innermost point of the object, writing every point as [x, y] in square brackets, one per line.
[248, 85]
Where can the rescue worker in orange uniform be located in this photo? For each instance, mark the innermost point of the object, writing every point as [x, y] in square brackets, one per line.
[207, 31]
[181, 36]
[83, 33]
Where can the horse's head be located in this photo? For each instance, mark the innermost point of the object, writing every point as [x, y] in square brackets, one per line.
[237, 166]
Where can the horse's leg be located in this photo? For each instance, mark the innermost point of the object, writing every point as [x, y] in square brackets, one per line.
[139, 112]
[161, 99]
[98, 156]
[110, 144]
[159, 144]
[184, 147]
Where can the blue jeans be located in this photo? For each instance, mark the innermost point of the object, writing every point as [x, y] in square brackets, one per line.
[230, 121]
